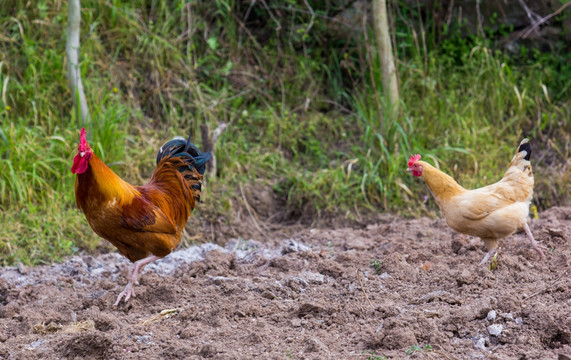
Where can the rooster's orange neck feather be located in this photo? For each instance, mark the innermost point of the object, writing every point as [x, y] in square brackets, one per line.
[109, 186]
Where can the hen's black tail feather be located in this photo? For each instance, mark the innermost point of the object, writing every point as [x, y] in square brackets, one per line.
[186, 150]
[524, 146]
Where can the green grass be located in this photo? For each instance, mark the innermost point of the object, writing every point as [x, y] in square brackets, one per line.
[373, 356]
[303, 105]
[376, 264]
[415, 348]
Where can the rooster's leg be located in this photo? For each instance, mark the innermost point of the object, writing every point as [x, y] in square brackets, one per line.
[534, 244]
[134, 272]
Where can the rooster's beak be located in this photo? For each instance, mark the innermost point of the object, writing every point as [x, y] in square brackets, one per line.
[82, 154]
[409, 169]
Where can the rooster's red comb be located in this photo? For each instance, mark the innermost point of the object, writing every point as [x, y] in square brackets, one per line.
[413, 159]
[82, 138]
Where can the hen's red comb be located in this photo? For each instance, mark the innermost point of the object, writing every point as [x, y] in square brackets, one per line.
[413, 159]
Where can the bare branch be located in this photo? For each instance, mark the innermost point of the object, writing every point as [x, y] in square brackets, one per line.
[272, 16]
[535, 25]
[310, 25]
[533, 17]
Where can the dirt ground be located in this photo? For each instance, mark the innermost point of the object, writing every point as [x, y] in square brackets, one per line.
[397, 288]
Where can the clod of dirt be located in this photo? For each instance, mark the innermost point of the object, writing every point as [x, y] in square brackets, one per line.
[10, 309]
[475, 309]
[91, 345]
[359, 243]
[309, 308]
[208, 351]
[330, 268]
[286, 263]
[314, 345]
[177, 352]
[394, 334]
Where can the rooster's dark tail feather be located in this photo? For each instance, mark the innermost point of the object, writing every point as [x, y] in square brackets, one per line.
[186, 150]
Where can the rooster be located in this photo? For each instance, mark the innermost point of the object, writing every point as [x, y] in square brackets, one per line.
[144, 223]
[491, 212]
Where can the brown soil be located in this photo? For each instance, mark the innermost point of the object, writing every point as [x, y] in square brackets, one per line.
[398, 288]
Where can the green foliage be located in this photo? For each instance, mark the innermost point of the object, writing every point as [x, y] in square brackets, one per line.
[36, 234]
[373, 356]
[376, 264]
[414, 348]
[300, 90]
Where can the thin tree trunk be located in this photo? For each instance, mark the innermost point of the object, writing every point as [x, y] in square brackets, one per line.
[383, 39]
[73, 72]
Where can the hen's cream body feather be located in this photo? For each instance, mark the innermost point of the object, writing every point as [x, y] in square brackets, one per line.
[491, 212]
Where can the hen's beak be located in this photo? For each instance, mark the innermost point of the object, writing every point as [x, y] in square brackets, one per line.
[409, 169]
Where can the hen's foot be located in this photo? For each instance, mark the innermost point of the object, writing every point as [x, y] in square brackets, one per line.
[535, 244]
[490, 253]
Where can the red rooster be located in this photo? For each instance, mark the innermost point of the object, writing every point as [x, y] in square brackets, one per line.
[144, 223]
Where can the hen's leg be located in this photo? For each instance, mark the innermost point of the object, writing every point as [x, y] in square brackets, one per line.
[534, 244]
[490, 253]
[492, 246]
[134, 272]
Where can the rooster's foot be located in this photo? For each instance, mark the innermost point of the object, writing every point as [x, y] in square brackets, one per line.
[127, 293]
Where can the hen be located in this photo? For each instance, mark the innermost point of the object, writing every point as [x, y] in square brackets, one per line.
[145, 223]
[491, 212]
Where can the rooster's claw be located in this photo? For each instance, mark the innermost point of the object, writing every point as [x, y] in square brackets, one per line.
[127, 293]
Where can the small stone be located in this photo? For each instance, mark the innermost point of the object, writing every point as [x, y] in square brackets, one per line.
[508, 316]
[519, 321]
[88, 260]
[432, 313]
[480, 344]
[495, 329]
[491, 315]
[35, 344]
[556, 233]
[314, 278]
[23, 269]
[292, 246]
[239, 313]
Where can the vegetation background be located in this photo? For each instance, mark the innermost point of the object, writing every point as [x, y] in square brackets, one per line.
[309, 138]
